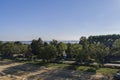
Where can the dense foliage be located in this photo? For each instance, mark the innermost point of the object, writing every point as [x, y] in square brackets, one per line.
[98, 49]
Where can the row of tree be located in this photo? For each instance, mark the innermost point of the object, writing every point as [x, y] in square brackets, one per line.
[92, 49]
[12, 49]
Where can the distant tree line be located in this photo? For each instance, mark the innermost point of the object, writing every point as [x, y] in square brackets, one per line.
[98, 49]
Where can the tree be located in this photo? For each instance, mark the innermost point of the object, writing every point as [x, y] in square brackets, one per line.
[36, 46]
[43, 50]
[107, 40]
[54, 42]
[83, 41]
[0, 48]
[116, 48]
[1, 45]
[84, 54]
[69, 50]
[29, 55]
[73, 50]
[98, 52]
[50, 53]
[45, 44]
[13, 50]
[116, 44]
[61, 47]
[77, 49]
[9, 49]
[18, 42]
[23, 49]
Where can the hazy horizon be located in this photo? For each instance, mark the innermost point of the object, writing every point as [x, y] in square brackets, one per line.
[26, 20]
[59, 40]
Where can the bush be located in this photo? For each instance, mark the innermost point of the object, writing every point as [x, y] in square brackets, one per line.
[91, 70]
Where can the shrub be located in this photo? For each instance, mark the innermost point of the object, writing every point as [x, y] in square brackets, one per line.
[91, 70]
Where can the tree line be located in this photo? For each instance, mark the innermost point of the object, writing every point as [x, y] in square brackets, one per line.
[98, 49]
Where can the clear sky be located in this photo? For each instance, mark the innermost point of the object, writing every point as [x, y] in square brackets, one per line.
[58, 19]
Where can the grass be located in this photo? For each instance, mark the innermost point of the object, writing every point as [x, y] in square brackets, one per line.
[107, 71]
[57, 65]
[83, 68]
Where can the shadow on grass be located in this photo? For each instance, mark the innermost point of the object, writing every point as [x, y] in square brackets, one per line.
[23, 69]
[61, 74]
[70, 72]
[6, 63]
[65, 73]
[81, 68]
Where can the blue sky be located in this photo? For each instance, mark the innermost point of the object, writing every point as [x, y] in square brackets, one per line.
[58, 19]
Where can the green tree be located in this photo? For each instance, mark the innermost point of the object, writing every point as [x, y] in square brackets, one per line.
[8, 49]
[98, 52]
[84, 54]
[29, 55]
[0, 47]
[1, 44]
[83, 41]
[73, 50]
[23, 49]
[116, 44]
[45, 43]
[69, 50]
[54, 42]
[50, 53]
[12, 50]
[116, 48]
[37, 46]
[18, 42]
[107, 40]
[61, 47]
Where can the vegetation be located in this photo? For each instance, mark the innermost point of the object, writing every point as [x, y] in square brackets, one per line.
[97, 49]
[105, 71]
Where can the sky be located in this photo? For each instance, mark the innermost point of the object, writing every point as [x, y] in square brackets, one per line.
[57, 19]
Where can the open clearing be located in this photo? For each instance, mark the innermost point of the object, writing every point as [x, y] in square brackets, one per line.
[10, 70]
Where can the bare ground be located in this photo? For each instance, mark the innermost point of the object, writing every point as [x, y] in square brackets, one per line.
[22, 71]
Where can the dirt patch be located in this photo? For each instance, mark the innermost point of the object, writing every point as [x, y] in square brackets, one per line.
[22, 71]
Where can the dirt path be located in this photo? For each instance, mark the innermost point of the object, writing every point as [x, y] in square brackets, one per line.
[4, 64]
[22, 71]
